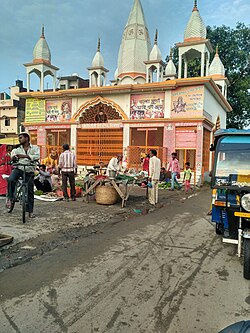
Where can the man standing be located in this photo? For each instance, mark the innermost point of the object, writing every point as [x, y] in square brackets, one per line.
[154, 175]
[26, 154]
[67, 165]
[174, 167]
[114, 165]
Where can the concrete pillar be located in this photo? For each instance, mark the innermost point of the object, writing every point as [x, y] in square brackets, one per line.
[28, 81]
[185, 68]
[54, 82]
[202, 63]
[42, 82]
[207, 64]
[180, 66]
[158, 74]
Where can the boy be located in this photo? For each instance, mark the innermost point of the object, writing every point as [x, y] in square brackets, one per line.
[187, 177]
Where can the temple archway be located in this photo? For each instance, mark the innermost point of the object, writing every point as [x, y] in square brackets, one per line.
[99, 110]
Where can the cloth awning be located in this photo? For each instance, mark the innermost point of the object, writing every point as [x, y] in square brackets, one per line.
[9, 141]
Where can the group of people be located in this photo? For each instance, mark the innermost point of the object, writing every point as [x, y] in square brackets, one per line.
[27, 156]
[152, 165]
[66, 168]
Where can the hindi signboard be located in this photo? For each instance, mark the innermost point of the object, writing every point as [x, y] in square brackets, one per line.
[58, 110]
[187, 102]
[35, 110]
[147, 106]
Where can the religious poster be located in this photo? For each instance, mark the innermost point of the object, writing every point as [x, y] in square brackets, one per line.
[58, 110]
[35, 110]
[147, 106]
[187, 102]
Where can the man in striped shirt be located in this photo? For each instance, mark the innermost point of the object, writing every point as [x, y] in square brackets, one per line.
[68, 168]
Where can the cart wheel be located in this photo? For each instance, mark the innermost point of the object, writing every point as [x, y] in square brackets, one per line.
[219, 229]
[246, 259]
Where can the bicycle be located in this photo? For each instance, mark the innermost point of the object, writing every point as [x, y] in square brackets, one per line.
[21, 191]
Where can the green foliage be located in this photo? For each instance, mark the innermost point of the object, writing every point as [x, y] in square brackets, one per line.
[234, 52]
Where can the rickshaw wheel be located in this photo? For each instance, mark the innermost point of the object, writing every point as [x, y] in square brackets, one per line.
[246, 259]
[219, 228]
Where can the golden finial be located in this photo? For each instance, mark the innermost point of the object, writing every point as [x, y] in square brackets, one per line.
[217, 50]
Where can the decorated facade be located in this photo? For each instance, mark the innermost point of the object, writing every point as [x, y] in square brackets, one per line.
[148, 105]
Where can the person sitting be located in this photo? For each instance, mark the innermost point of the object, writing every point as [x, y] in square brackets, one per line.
[51, 161]
[43, 180]
[163, 175]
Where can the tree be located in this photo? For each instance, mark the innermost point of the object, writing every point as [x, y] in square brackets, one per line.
[234, 52]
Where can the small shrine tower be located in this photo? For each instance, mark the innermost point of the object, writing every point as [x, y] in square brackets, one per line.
[195, 45]
[41, 64]
[217, 71]
[155, 63]
[97, 73]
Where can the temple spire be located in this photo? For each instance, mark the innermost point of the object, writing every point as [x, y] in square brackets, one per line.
[171, 53]
[156, 36]
[195, 5]
[99, 45]
[217, 50]
[42, 35]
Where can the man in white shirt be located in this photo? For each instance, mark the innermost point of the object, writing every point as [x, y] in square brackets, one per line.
[154, 176]
[26, 154]
[114, 165]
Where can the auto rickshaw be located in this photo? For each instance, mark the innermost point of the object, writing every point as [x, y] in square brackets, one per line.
[231, 190]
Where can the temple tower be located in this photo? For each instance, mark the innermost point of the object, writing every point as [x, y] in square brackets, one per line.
[217, 71]
[97, 73]
[134, 49]
[195, 45]
[41, 64]
[155, 64]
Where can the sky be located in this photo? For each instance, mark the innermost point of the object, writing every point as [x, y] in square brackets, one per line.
[72, 28]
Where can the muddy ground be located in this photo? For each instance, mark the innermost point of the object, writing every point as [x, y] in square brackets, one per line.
[61, 223]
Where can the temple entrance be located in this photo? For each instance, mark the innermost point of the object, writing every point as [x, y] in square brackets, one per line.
[98, 145]
[97, 140]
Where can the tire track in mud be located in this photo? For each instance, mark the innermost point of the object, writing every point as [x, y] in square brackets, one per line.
[125, 267]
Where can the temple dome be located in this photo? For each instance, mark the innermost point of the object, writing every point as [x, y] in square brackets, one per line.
[195, 28]
[217, 67]
[155, 53]
[41, 50]
[98, 60]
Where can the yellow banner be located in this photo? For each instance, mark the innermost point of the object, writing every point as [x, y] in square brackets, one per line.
[35, 110]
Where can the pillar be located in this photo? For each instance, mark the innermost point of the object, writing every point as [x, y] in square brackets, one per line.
[202, 63]
[180, 66]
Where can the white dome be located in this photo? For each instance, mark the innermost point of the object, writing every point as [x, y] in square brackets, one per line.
[195, 27]
[98, 60]
[217, 67]
[170, 69]
[155, 54]
[41, 50]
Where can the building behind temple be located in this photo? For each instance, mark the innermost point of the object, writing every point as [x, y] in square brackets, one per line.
[147, 105]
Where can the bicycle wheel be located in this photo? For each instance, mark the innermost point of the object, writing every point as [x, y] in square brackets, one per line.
[16, 195]
[24, 197]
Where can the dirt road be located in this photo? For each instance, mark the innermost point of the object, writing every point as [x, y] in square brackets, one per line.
[162, 272]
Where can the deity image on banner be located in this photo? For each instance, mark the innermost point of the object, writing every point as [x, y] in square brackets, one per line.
[179, 105]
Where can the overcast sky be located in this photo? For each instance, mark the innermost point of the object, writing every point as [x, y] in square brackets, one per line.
[72, 28]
